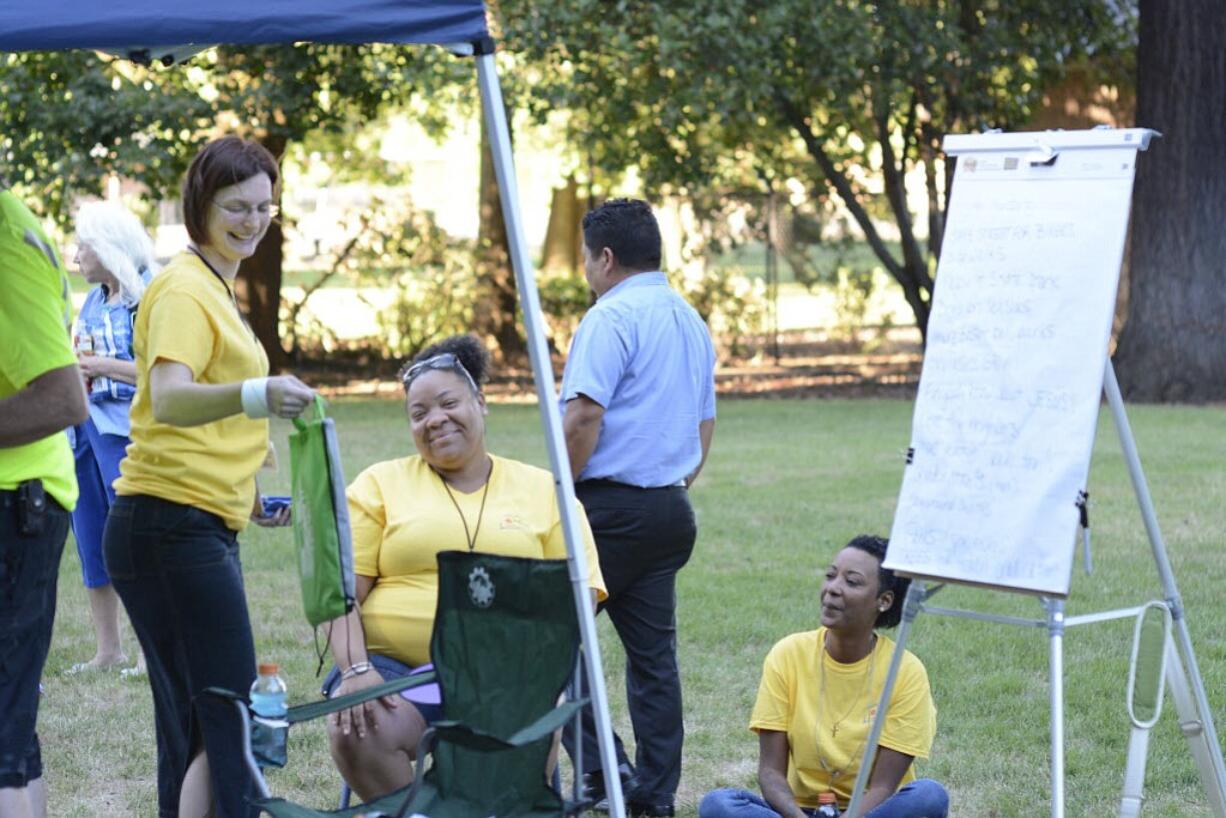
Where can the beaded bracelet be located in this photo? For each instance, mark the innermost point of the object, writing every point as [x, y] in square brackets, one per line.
[356, 669]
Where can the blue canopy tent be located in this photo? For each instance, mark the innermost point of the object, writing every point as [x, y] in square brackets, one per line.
[120, 23]
[167, 31]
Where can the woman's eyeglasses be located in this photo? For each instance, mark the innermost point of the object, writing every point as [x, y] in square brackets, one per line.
[238, 210]
[445, 361]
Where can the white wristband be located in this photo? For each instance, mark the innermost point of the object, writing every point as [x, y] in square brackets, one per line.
[255, 397]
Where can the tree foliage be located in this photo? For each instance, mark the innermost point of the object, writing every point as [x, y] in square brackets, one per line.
[279, 94]
[847, 96]
[70, 119]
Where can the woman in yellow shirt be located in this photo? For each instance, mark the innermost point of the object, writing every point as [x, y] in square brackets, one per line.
[452, 495]
[187, 485]
[818, 698]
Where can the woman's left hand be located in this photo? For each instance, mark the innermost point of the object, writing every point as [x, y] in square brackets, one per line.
[91, 366]
[279, 518]
[103, 366]
[94, 366]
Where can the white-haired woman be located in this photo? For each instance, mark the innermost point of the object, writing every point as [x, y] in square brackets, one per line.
[115, 254]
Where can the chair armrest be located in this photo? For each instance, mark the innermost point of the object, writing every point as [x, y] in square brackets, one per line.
[466, 736]
[313, 710]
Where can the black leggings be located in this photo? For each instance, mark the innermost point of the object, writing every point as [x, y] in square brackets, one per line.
[176, 568]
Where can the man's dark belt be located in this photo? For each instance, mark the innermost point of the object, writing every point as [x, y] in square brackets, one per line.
[603, 481]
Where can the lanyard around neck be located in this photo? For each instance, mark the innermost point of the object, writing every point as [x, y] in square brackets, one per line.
[196, 252]
[233, 298]
[471, 538]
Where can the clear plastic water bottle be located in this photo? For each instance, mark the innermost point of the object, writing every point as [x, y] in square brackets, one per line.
[268, 693]
[269, 729]
[827, 806]
[84, 344]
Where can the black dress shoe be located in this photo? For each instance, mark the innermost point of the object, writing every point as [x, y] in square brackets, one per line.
[594, 791]
[640, 810]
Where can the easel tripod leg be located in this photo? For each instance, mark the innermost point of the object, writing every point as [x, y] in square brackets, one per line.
[1055, 630]
[1200, 740]
[1134, 774]
[1212, 769]
[911, 606]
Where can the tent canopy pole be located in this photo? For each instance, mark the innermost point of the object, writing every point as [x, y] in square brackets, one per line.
[551, 416]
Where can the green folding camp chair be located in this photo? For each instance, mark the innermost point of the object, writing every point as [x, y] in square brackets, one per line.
[505, 642]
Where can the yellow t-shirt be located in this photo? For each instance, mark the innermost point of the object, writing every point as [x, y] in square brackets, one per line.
[402, 518]
[35, 313]
[788, 702]
[187, 316]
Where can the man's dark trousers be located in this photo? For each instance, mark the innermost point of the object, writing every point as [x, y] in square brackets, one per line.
[29, 569]
[643, 537]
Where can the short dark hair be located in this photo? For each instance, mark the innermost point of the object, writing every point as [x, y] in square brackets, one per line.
[629, 229]
[887, 580]
[221, 163]
[468, 349]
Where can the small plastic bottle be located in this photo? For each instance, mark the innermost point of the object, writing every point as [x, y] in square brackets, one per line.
[268, 693]
[84, 344]
[827, 806]
[269, 729]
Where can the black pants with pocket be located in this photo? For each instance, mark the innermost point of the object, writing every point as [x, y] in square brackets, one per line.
[644, 537]
[29, 568]
[177, 571]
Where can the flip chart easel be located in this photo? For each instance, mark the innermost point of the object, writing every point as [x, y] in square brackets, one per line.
[1005, 416]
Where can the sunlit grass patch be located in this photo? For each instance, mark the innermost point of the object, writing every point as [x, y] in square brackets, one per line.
[787, 483]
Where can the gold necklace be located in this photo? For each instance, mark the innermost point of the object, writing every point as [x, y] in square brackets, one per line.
[472, 540]
[836, 724]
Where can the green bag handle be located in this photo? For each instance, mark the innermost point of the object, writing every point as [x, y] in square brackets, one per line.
[300, 424]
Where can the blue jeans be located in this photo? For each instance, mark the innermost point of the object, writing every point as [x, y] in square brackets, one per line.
[922, 798]
[29, 567]
[177, 571]
[98, 457]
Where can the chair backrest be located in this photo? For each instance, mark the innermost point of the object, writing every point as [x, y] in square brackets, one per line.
[505, 643]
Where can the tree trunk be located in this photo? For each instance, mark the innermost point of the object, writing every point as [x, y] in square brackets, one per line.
[563, 252]
[1173, 346]
[495, 312]
[259, 281]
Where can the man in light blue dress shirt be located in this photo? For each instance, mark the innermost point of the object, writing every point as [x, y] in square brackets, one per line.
[638, 403]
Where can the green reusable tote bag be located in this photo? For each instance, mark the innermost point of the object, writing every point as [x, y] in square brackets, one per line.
[321, 518]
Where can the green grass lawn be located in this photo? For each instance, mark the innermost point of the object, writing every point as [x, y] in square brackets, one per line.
[787, 483]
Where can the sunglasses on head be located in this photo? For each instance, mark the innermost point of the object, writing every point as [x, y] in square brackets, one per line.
[445, 361]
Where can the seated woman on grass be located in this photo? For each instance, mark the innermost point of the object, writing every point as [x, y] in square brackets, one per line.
[452, 495]
[818, 698]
